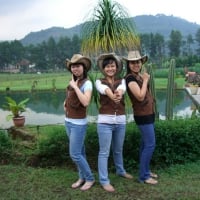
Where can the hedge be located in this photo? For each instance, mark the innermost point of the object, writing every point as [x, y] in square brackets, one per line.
[177, 142]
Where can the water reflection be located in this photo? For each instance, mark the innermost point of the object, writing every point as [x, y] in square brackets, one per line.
[47, 107]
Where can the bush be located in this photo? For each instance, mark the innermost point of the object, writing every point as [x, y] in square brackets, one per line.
[5, 146]
[177, 142]
[52, 146]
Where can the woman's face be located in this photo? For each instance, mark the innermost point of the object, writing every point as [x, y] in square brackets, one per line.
[135, 66]
[110, 69]
[77, 69]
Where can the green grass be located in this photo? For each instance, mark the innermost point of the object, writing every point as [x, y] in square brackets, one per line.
[25, 82]
[180, 182]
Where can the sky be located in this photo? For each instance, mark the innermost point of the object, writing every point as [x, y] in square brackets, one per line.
[20, 17]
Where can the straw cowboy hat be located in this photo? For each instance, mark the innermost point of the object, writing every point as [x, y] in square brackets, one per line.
[135, 55]
[102, 57]
[78, 58]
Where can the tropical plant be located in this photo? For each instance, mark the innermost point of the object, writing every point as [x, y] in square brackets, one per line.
[109, 30]
[15, 108]
[152, 87]
[170, 90]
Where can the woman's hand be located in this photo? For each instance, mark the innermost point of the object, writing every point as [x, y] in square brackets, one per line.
[73, 83]
[117, 96]
[145, 76]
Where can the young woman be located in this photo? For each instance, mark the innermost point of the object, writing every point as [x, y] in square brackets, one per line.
[78, 96]
[143, 109]
[111, 118]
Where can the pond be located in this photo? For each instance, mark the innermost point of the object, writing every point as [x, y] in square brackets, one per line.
[47, 107]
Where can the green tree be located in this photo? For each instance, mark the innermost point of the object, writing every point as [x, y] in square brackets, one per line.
[189, 42]
[170, 91]
[155, 45]
[197, 38]
[16, 51]
[145, 42]
[63, 50]
[175, 43]
[39, 56]
[109, 29]
[160, 47]
[76, 44]
[5, 57]
[51, 52]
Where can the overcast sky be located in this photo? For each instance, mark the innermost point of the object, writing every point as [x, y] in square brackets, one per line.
[20, 17]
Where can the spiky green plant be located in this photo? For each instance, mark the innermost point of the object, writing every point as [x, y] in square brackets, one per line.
[109, 30]
[149, 69]
[170, 91]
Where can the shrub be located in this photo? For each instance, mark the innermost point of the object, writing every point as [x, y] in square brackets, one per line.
[5, 146]
[52, 146]
[177, 142]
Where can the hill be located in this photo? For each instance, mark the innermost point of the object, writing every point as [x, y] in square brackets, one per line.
[160, 23]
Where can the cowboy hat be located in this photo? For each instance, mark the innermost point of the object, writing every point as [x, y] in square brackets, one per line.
[102, 57]
[78, 58]
[135, 55]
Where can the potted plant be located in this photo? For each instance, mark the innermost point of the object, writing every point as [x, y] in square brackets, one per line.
[16, 110]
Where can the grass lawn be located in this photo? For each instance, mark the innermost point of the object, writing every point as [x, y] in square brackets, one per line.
[25, 82]
[180, 182]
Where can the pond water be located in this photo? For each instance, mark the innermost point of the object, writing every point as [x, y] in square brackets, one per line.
[47, 107]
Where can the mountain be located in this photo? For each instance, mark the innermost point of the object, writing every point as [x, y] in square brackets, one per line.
[163, 25]
[159, 23]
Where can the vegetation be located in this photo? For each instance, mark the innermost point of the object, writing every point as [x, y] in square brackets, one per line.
[16, 108]
[170, 91]
[179, 182]
[49, 56]
[34, 82]
[25, 82]
[109, 30]
[176, 142]
[46, 149]
[47, 145]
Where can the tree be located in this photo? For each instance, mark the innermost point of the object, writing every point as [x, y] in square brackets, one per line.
[109, 29]
[16, 51]
[189, 42]
[175, 43]
[197, 38]
[160, 46]
[51, 52]
[63, 50]
[4, 54]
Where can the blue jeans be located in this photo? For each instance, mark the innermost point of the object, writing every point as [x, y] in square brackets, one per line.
[110, 134]
[147, 147]
[76, 135]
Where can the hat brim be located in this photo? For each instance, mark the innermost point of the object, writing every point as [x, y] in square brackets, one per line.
[102, 57]
[84, 60]
[143, 59]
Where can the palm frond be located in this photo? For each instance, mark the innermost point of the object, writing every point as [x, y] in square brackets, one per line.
[108, 30]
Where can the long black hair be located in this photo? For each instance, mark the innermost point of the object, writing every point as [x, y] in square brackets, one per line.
[128, 70]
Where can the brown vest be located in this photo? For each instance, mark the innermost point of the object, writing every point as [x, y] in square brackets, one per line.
[74, 108]
[145, 107]
[107, 106]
